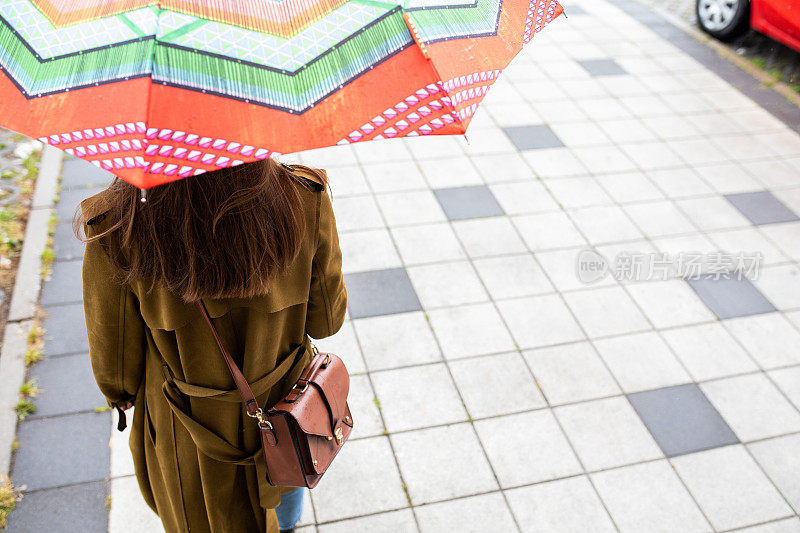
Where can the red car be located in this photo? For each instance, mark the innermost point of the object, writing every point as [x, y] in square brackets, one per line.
[726, 19]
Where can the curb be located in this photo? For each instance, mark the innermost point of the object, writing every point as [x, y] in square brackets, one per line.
[725, 52]
[24, 299]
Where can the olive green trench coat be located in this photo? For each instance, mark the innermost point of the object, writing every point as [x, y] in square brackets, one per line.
[196, 454]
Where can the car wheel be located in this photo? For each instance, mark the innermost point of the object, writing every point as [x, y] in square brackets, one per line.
[723, 19]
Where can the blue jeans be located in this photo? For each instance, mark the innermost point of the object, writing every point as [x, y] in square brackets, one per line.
[290, 508]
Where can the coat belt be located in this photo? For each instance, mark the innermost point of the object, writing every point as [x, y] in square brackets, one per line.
[208, 441]
[217, 447]
[259, 386]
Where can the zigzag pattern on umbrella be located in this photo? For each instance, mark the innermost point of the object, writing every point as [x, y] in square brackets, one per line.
[175, 63]
[409, 117]
[182, 154]
[539, 14]
[284, 18]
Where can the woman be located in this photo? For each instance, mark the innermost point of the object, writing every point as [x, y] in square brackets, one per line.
[258, 244]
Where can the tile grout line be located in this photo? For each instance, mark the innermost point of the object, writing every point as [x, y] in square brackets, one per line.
[704, 233]
[691, 220]
[360, 347]
[443, 359]
[518, 351]
[701, 231]
[625, 288]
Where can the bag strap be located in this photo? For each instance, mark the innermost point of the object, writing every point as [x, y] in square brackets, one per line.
[245, 391]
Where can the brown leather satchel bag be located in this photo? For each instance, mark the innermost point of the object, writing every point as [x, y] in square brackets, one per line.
[302, 433]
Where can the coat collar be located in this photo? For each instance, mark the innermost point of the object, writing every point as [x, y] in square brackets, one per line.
[95, 206]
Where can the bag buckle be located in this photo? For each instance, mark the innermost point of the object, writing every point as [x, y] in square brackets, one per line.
[301, 391]
[262, 420]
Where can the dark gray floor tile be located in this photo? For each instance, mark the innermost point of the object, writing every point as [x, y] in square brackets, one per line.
[65, 245]
[64, 510]
[380, 292]
[67, 386]
[77, 173]
[602, 67]
[461, 203]
[69, 199]
[729, 298]
[535, 137]
[761, 207]
[65, 330]
[62, 450]
[682, 420]
[64, 285]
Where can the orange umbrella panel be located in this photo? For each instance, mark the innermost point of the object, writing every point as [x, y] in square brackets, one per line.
[158, 91]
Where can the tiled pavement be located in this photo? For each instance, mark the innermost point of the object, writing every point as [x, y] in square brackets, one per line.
[494, 390]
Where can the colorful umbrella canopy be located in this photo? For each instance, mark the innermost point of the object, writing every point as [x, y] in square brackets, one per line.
[158, 91]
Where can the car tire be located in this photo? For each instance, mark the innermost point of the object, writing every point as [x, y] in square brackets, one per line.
[723, 19]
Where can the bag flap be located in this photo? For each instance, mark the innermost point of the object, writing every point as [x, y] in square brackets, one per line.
[324, 402]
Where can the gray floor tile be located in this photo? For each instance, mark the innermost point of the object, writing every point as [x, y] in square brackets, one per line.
[67, 386]
[460, 203]
[533, 137]
[761, 207]
[602, 67]
[65, 330]
[64, 285]
[65, 510]
[569, 504]
[781, 462]
[682, 420]
[729, 298]
[77, 450]
[77, 173]
[65, 244]
[380, 292]
[730, 488]
[69, 199]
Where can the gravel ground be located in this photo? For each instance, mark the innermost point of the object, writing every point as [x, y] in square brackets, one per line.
[779, 60]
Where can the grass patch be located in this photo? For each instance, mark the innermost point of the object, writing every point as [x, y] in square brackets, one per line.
[34, 352]
[48, 256]
[759, 62]
[35, 335]
[12, 230]
[27, 181]
[32, 356]
[29, 389]
[9, 496]
[24, 408]
[102, 409]
[51, 224]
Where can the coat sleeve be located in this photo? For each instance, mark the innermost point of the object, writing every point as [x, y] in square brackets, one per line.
[116, 330]
[327, 300]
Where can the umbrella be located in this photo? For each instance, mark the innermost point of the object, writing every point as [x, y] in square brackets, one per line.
[158, 91]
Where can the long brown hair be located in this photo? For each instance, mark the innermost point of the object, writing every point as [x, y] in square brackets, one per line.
[223, 234]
